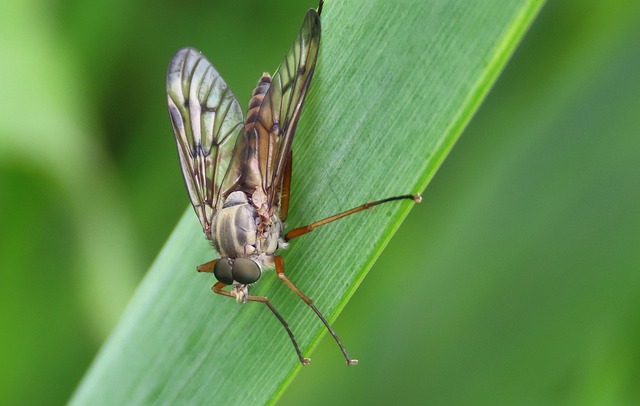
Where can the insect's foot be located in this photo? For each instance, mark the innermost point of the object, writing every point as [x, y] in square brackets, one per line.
[305, 361]
[352, 362]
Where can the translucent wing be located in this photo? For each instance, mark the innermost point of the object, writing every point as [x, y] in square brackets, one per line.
[206, 120]
[263, 151]
[285, 97]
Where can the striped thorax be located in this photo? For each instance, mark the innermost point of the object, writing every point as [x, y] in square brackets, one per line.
[239, 231]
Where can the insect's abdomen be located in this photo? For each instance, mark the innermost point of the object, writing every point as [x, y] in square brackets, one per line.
[256, 101]
[234, 227]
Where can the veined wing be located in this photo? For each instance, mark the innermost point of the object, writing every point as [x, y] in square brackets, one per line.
[263, 152]
[284, 99]
[206, 120]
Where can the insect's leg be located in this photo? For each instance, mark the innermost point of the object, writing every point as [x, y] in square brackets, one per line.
[297, 232]
[218, 288]
[207, 266]
[286, 187]
[283, 277]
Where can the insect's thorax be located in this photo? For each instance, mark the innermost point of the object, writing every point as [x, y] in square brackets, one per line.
[240, 230]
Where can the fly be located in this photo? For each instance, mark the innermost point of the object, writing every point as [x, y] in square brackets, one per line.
[238, 171]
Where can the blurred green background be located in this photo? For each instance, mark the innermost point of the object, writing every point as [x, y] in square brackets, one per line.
[525, 253]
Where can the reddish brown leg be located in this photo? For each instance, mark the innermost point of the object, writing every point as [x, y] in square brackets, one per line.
[207, 266]
[218, 288]
[286, 187]
[297, 232]
[283, 277]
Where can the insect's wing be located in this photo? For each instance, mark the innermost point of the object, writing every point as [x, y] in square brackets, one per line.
[206, 120]
[283, 102]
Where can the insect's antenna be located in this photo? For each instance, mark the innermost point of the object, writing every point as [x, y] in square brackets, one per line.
[297, 232]
[319, 9]
[281, 275]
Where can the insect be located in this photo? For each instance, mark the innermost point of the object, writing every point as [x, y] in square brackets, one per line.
[238, 171]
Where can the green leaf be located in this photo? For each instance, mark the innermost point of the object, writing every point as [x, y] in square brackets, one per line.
[394, 87]
[523, 286]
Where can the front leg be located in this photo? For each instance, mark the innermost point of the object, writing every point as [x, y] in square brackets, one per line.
[218, 288]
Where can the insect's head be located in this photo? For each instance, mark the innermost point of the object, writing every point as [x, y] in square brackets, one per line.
[241, 270]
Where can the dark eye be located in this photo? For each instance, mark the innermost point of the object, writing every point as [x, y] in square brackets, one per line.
[222, 271]
[245, 271]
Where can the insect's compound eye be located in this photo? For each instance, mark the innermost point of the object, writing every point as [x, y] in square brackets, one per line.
[245, 271]
[222, 271]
